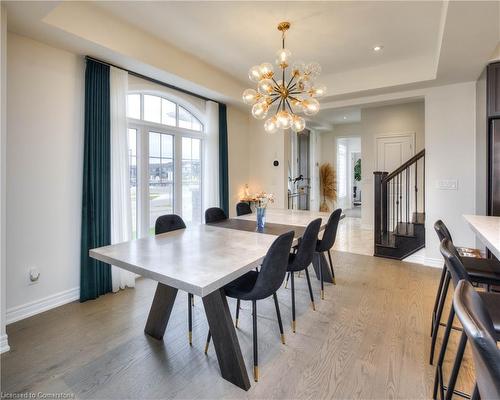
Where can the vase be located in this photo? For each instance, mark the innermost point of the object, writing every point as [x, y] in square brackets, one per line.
[261, 218]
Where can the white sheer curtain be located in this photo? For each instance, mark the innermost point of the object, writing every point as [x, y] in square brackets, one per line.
[121, 218]
[211, 157]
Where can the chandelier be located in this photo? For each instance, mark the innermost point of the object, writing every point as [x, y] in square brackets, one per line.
[297, 95]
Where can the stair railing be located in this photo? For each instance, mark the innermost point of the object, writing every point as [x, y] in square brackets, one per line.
[399, 197]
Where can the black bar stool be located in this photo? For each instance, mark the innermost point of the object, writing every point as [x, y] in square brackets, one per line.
[300, 260]
[480, 271]
[478, 326]
[458, 272]
[243, 208]
[169, 223]
[260, 285]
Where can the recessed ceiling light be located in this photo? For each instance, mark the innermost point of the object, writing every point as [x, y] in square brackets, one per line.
[378, 48]
[345, 117]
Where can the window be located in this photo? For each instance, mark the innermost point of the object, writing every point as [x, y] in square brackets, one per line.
[165, 154]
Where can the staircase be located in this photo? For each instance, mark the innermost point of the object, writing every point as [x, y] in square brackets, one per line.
[399, 224]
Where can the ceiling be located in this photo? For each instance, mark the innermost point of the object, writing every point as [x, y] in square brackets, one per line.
[425, 43]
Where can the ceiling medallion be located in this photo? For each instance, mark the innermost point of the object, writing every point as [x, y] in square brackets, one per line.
[293, 94]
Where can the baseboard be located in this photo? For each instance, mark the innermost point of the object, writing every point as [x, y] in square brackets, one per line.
[4, 344]
[36, 307]
[420, 258]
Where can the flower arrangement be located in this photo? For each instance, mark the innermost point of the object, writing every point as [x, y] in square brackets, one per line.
[262, 199]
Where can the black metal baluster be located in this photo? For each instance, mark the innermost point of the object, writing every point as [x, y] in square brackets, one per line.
[416, 189]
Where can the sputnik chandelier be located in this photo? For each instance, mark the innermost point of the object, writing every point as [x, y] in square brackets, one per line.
[295, 96]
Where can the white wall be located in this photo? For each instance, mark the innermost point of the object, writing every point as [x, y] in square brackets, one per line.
[481, 150]
[44, 183]
[450, 140]
[375, 121]
[4, 345]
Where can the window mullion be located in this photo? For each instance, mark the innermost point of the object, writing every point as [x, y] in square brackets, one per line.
[178, 174]
[143, 184]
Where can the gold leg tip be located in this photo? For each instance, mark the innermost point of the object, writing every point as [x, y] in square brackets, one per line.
[293, 326]
[256, 374]
[190, 336]
[206, 348]
[334, 282]
[314, 307]
[322, 295]
[283, 339]
[236, 322]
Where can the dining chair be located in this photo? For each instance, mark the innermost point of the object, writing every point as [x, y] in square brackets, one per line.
[326, 243]
[478, 326]
[169, 223]
[260, 285]
[214, 214]
[301, 259]
[243, 208]
[457, 271]
[480, 270]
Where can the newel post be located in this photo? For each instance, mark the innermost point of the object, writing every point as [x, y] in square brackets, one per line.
[380, 204]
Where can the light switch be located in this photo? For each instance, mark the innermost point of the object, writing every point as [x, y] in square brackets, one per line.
[447, 184]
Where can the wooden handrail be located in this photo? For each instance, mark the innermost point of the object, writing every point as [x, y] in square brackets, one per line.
[405, 165]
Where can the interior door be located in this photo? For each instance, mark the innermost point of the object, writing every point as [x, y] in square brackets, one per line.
[392, 151]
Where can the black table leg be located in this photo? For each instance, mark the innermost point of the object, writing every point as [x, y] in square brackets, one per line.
[227, 347]
[160, 311]
[320, 259]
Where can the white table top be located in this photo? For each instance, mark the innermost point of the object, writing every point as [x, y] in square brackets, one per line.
[289, 217]
[198, 259]
[488, 231]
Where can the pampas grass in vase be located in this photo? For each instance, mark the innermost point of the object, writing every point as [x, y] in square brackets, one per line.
[328, 186]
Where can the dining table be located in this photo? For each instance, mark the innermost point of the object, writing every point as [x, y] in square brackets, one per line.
[200, 260]
[487, 229]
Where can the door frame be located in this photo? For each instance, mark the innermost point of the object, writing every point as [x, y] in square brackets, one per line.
[410, 134]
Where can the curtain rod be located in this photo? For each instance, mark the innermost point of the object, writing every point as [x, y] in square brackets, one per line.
[147, 78]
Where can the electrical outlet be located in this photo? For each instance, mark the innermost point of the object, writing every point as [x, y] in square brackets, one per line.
[447, 184]
[33, 275]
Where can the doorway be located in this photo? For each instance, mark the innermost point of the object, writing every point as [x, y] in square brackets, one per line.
[349, 164]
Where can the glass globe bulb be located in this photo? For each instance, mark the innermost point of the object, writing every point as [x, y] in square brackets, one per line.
[254, 73]
[250, 96]
[310, 106]
[313, 69]
[298, 68]
[284, 120]
[298, 123]
[318, 91]
[296, 104]
[271, 125]
[265, 86]
[282, 57]
[266, 70]
[259, 110]
[304, 83]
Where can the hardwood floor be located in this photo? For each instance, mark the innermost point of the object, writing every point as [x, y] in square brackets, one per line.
[369, 338]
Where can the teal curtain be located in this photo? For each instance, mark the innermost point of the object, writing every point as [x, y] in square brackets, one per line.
[223, 160]
[95, 276]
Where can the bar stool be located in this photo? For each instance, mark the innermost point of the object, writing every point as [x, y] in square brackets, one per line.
[260, 285]
[492, 302]
[480, 270]
[169, 223]
[243, 208]
[300, 260]
[214, 214]
[479, 329]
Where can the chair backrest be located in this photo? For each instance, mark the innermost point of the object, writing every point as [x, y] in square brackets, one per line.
[214, 214]
[243, 208]
[453, 262]
[442, 231]
[330, 233]
[480, 331]
[307, 244]
[273, 269]
[168, 223]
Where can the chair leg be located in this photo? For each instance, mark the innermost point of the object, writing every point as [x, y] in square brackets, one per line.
[438, 297]
[190, 319]
[438, 316]
[237, 312]
[255, 349]
[293, 301]
[310, 288]
[438, 378]
[209, 336]
[278, 314]
[475, 393]
[287, 278]
[322, 291]
[456, 366]
[331, 267]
